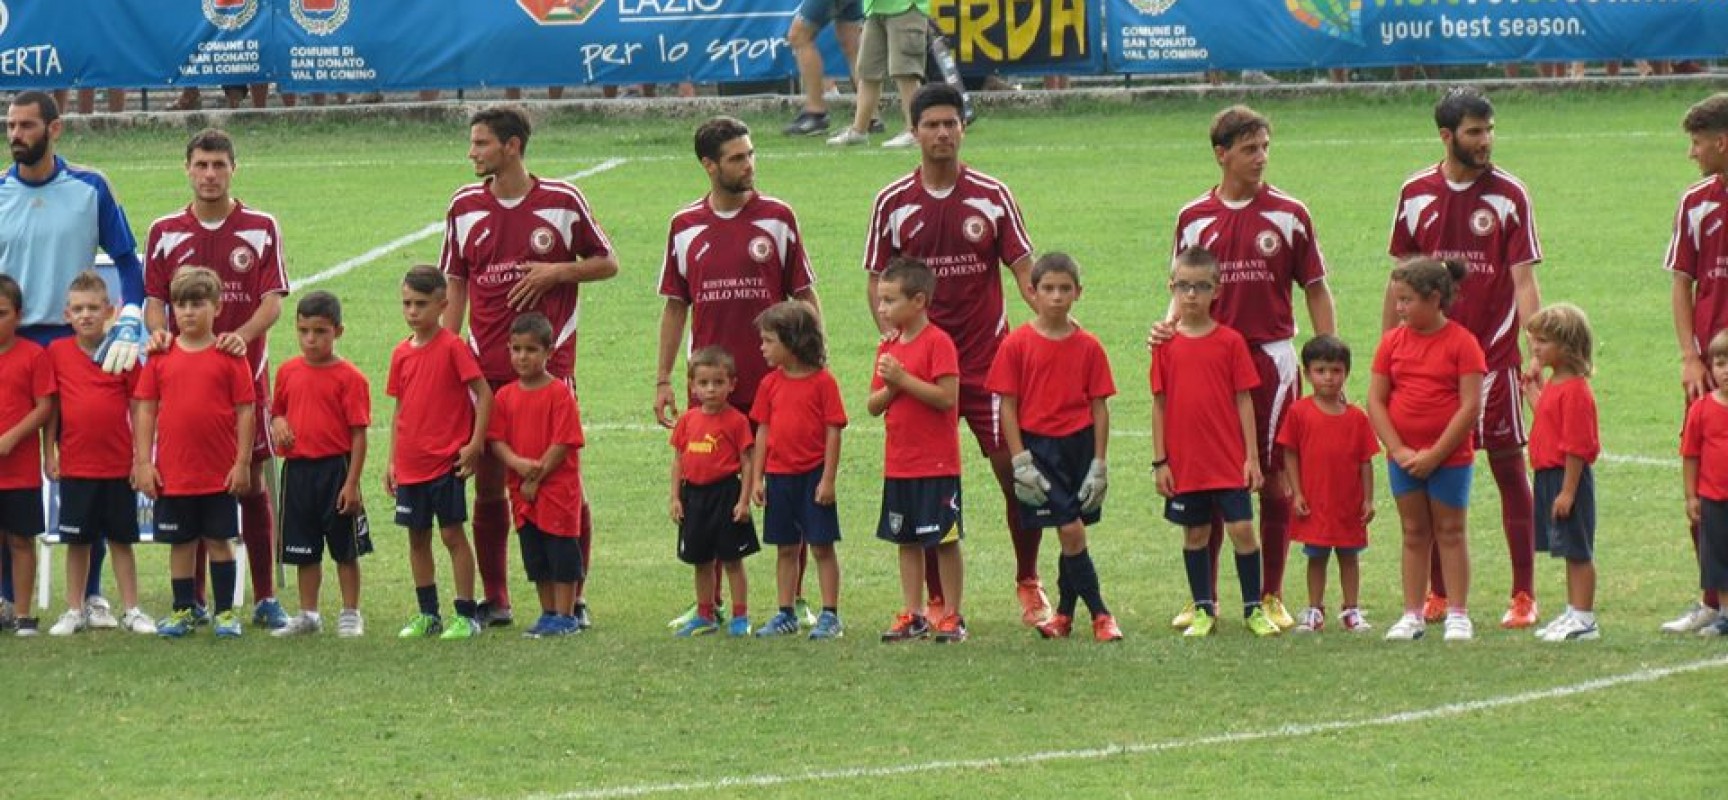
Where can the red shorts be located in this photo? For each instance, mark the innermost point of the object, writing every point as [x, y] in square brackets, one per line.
[1280, 386]
[1502, 424]
[982, 410]
[261, 447]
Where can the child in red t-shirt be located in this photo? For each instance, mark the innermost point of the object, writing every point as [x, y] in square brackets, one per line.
[194, 415]
[1055, 384]
[710, 503]
[915, 386]
[319, 415]
[1424, 399]
[535, 432]
[1206, 463]
[443, 404]
[1704, 452]
[1563, 445]
[1328, 449]
[799, 416]
[26, 392]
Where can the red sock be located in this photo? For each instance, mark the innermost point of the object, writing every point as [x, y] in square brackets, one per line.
[492, 549]
[1712, 598]
[1517, 517]
[740, 610]
[585, 543]
[258, 531]
[1026, 541]
[1274, 538]
[1436, 577]
[705, 610]
[932, 574]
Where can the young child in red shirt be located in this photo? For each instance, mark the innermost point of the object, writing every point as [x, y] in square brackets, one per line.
[1704, 453]
[1329, 448]
[1563, 444]
[710, 503]
[1055, 384]
[1206, 462]
[26, 392]
[194, 415]
[536, 431]
[443, 405]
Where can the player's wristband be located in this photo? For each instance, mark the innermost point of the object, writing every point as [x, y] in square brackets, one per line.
[1162, 462]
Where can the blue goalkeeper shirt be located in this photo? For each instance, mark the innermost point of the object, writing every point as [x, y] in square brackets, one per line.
[49, 233]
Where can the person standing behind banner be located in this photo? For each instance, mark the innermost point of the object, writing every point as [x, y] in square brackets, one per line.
[895, 43]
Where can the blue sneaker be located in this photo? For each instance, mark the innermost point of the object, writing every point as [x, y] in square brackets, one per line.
[568, 626]
[546, 625]
[228, 624]
[783, 624]
[269, 614]
[828, 627]
[739, 626]
[200, 615]
[175, 625]
[697, 626]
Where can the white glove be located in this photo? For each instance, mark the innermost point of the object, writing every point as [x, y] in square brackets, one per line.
[1092, 489]
[124, 341]
[1029, 483]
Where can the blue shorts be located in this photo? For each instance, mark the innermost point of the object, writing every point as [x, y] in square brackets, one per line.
[444, 499]
[1322, 551]
[818, 13]
[1572, 538]
[1196, 509]
[1063, 460]
[792, 515]
[921, 511]
[1449, 485]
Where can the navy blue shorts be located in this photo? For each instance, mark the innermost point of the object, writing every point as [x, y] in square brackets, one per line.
[1713, 545]
[21, 512]
[1063, 460]
[188, 518]
[1449, 485]
[93, 509]
[820, 12]
[1322, 551]
[921, 511]
[792, 515]
[1572, 538]
[1196, 509]
[708, 531]
[310, 487]
[549, 558]
[445, 499]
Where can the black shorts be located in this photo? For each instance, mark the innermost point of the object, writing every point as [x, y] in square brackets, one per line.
[550, 558]
[921, 511]
[1572, 538]
[1196, 509]
[1713, 545]
[792, 515]
[310, 488]
[708, 531]
[93, 509]
[443, 500]
[1063, 461]
[188, 518]
[21, 512]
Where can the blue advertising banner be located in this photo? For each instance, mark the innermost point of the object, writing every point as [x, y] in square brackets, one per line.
[1190, 35]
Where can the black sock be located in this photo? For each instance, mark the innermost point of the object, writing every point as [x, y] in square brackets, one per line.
[1086, 584]
[1248, 572]
[183, 594]
[466, 607]
[835, 610]
[787, 610]
[222, 577]
[1066, 597]
[1199, 566]
[427, 597]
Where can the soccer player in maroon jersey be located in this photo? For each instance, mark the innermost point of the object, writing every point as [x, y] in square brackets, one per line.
[1698, 259]
[964, 225]
[1469, 209]
[729, 256]
[243, 246]
[1265, 244]
[515, 243]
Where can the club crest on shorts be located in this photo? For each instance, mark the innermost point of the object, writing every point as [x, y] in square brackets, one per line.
[240, 259]
[230, 15]
[761, 249]
[895, 521]
[974, 228]
[319, 17]
[1267, 243]
[541, 240]
[560, 12]
[1482, 222]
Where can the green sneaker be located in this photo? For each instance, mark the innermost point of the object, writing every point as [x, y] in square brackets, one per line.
[801, 609]
[1260, 624]
[421, 626]
[461, 628]
[1202, 624]
[683, 619]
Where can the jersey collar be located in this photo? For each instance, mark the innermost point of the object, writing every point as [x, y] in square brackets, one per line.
[59, 167]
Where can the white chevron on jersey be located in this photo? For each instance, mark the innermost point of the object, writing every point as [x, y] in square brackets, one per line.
[681, 246]
[895, 219]
[170, 241]
[464, 224]
[782, 234]
[258, 239]
[562, 219]
[1194, 232]
[992, 211]
[1413, 208]
[1287, 223]
[1503, 207]
[1695, 221]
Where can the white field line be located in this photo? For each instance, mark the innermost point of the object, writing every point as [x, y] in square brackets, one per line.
[1295, 730]
[424, 233]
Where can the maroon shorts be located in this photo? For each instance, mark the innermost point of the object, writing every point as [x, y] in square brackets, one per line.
[1280, 386]
[261, 447]
[1502, 424]
[982, 410]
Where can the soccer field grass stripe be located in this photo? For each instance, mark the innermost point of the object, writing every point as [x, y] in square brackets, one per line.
[1293, 730]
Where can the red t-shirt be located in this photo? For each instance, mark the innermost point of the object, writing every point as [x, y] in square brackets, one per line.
[323, 405]
[1705, 438]
[921, 441]
[1053, 380]
[798, 413]
[530, 421]
[486, 242]
[965, 235]
[25, 374]
[1489, 225]
[1199, 377]
[245, 250]
[434, 408]
[1331, 449]
[730, 268]
[1699, 249]
[196, 434]
[711, 447]
[1565, 425]
[1423, 370]
[1263, 247]
[95, 414]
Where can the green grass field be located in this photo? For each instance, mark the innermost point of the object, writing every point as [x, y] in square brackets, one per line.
[627, 711]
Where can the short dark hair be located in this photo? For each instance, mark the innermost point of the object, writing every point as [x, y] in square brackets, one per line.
[211, 140]
[913, 276]
[425, 279]
[713, 356]
[191, 284]
[533, 324]
[715, 133]
[794, 323]
[1328, 348]
[505, 122]
[10, 290]
[1718, 347]
[1709, 115]
[1195, 257]
[931, 95]
[1459, 103]
[319, 303]
[43, 102]
[1432, 276]
[89, 281]
[1058, 262]
[1236, 122]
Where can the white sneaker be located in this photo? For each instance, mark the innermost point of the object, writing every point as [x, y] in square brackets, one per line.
[1459, 628]
[1311, 620]
[848, 137]
[1542, 632]
[1572, 628]
[1354, 622]
[1692, 619]
[136, 621]
[69, 623]
[349, 624]
[8, 615]
[101, 615]
[1408, 628]
[901, 141]
[298, 625]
